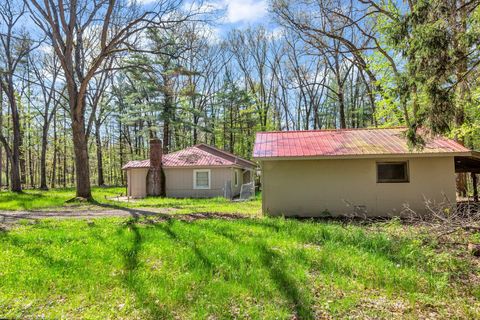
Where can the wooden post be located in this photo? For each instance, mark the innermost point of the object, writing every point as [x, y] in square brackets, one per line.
[475, 189]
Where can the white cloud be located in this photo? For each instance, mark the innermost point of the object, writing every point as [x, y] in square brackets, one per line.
[277, 32]
[141, 2]
[236, 11]
[245, 10]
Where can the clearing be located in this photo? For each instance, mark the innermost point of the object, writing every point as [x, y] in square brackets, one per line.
[212, 258]
[48, 202]
[225, 266]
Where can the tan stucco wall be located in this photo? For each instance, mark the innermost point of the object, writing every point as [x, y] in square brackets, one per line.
[179, 183]
[136, 182]
[309, 187]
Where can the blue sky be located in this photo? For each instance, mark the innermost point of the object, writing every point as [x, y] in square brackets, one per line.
[236, 13]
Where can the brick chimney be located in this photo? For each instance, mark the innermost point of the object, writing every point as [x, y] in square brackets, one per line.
[156, 177]
[156, 153]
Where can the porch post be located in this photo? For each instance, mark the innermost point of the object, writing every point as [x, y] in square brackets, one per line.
[475, 189]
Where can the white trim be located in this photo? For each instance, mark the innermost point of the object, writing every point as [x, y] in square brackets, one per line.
[195, 179]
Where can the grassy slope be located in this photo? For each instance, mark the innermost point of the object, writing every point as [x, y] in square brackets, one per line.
[55, 199]
[254, 268]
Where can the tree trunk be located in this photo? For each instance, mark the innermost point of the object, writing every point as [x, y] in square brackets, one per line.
[22, 160]
[98, 140]
[462, 88]
[43, 160]
[7, 171]
[231, 136]
[31, 167]
[30, 147]
[16, 185]
[55, 151]
[64, 150]
[15, 176]
[168, 111]
[1, 162]
[341, 105]
[1, 129]
[195, 130]
[82, 168]
[475, 187]
[120, 141]
[166, 134]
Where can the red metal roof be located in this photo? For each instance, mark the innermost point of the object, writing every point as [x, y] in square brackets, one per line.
[200, 155]
[345, 142]
[137, 164]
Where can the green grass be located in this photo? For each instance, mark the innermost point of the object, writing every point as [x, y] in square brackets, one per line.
[55, 199]
[261, 268]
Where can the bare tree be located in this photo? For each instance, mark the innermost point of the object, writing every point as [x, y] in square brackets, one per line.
[338, 27]
[251, 49]
[107, 27]
[47, 72]
[15, 46]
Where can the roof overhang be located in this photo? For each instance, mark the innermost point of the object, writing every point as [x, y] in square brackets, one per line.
[205, 166]
[468, 163]
[370, 156]
[133, 168]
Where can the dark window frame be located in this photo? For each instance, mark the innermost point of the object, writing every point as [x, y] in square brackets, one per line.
[405, 179]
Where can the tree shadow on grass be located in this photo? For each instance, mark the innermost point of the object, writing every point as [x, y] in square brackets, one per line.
[275, 264]
[24, 196]
[37, 252]
[132, 279]
[270, 259]
[223, 231]
[167, 228]
[286, 284]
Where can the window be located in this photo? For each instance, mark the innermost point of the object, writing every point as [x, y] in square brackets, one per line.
[236, 178]
[392, 172]
[201, 179]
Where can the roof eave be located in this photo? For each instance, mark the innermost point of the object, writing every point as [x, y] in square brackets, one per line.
[205, 166]
[368, 156]
[126, 168]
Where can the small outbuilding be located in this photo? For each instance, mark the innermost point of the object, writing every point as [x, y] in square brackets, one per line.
[201, 171]
[370, 172]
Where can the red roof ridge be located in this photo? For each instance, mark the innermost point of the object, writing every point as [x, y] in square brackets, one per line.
[177, 151]
[331, 130]
[225, 152]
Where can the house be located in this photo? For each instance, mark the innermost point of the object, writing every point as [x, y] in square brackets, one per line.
[356, 171]
[201, 171]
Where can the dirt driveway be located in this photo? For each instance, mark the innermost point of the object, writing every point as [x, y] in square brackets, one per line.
[7, 217]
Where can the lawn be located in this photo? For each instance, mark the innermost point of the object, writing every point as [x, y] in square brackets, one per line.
[260, 268]
[56, 199]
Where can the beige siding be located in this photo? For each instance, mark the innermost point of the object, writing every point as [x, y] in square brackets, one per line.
[179, 183]
[312, 187]
[136, 182]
